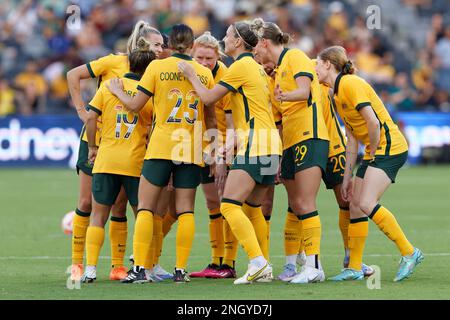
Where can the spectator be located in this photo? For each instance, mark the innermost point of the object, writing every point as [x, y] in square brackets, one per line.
[402, 96]
[33, 88]
[7, 97]
[442, 52]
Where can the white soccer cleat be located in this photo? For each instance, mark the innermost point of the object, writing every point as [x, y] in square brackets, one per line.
[254, 273]
[301, 259]
[161, 273]
[267, 277]
[90, 275]
[309, 275]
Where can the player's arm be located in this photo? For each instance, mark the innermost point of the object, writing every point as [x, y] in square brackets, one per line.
[74, 77]
[373, 128]
[351, 153]
[300, 94]
[208, 96]
[91, 130]
[135, 103]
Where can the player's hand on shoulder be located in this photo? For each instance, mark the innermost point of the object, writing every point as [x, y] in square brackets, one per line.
[115, 85]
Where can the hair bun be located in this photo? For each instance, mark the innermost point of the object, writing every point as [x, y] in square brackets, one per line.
[348, 68]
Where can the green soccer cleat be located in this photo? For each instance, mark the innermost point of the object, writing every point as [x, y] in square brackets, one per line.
[348, 274]
[407, 265]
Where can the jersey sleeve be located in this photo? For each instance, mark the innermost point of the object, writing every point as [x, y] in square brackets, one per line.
[96, 104]
[147, 111]
[147, 83]
[353, 89]
[99, 66]
[301, 65]
[235, 76]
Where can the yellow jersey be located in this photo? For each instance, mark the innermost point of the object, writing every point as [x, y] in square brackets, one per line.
[353, 93]
[337, 139]
[275, 105]
[178, 127]
[251, 108]
[302, 120]
[105, 68]
[223, 104]
[124, 133]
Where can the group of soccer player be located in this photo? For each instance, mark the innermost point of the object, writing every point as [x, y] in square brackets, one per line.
[169, 115]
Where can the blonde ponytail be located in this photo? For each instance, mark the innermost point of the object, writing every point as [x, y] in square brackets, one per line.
[141, 30]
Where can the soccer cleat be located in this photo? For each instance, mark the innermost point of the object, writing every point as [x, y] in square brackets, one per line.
[76, 272]
[301, 259]
[151, 276]
[268, 277]
[309, 275]
[254, 273]
[289, 272]
[407, 265]
[208, 272]
[348, 274]
[161, 273]
[367, 270]
[224, 272]
[90, 275]
[180, 276]
[118, 273]
[136, 275]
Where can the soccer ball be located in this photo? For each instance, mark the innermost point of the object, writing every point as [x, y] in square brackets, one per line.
[67, 222]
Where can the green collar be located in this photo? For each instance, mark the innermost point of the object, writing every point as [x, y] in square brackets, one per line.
[336, 84]
[245, 54]
[182, 56]
[216, 68]
[131, 75]
[283, 53]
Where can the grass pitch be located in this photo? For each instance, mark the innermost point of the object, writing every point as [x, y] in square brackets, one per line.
[35, 254]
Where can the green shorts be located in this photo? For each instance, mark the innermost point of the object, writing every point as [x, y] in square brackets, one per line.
[262, 169]
[205, 178]
[83, 163]
[389, 164]
[334, 174]
[106, 188]
[303, 155]
[185, 175]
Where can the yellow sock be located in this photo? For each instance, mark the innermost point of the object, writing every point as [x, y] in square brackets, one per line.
[142, 238]
[357, 235]
[231, 245]
[80, 225]
[94, 242]
[344, 221]
[291, 234]
[390, 227]
[118, 233]
[254, 213]
[185, 237]
[312, 230]
[168, 221]
[151, 254]
[216, 235]
[157, 237]
[241, 226]
[267, 218]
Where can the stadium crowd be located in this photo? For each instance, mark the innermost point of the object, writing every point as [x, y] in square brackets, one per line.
[407, 60]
